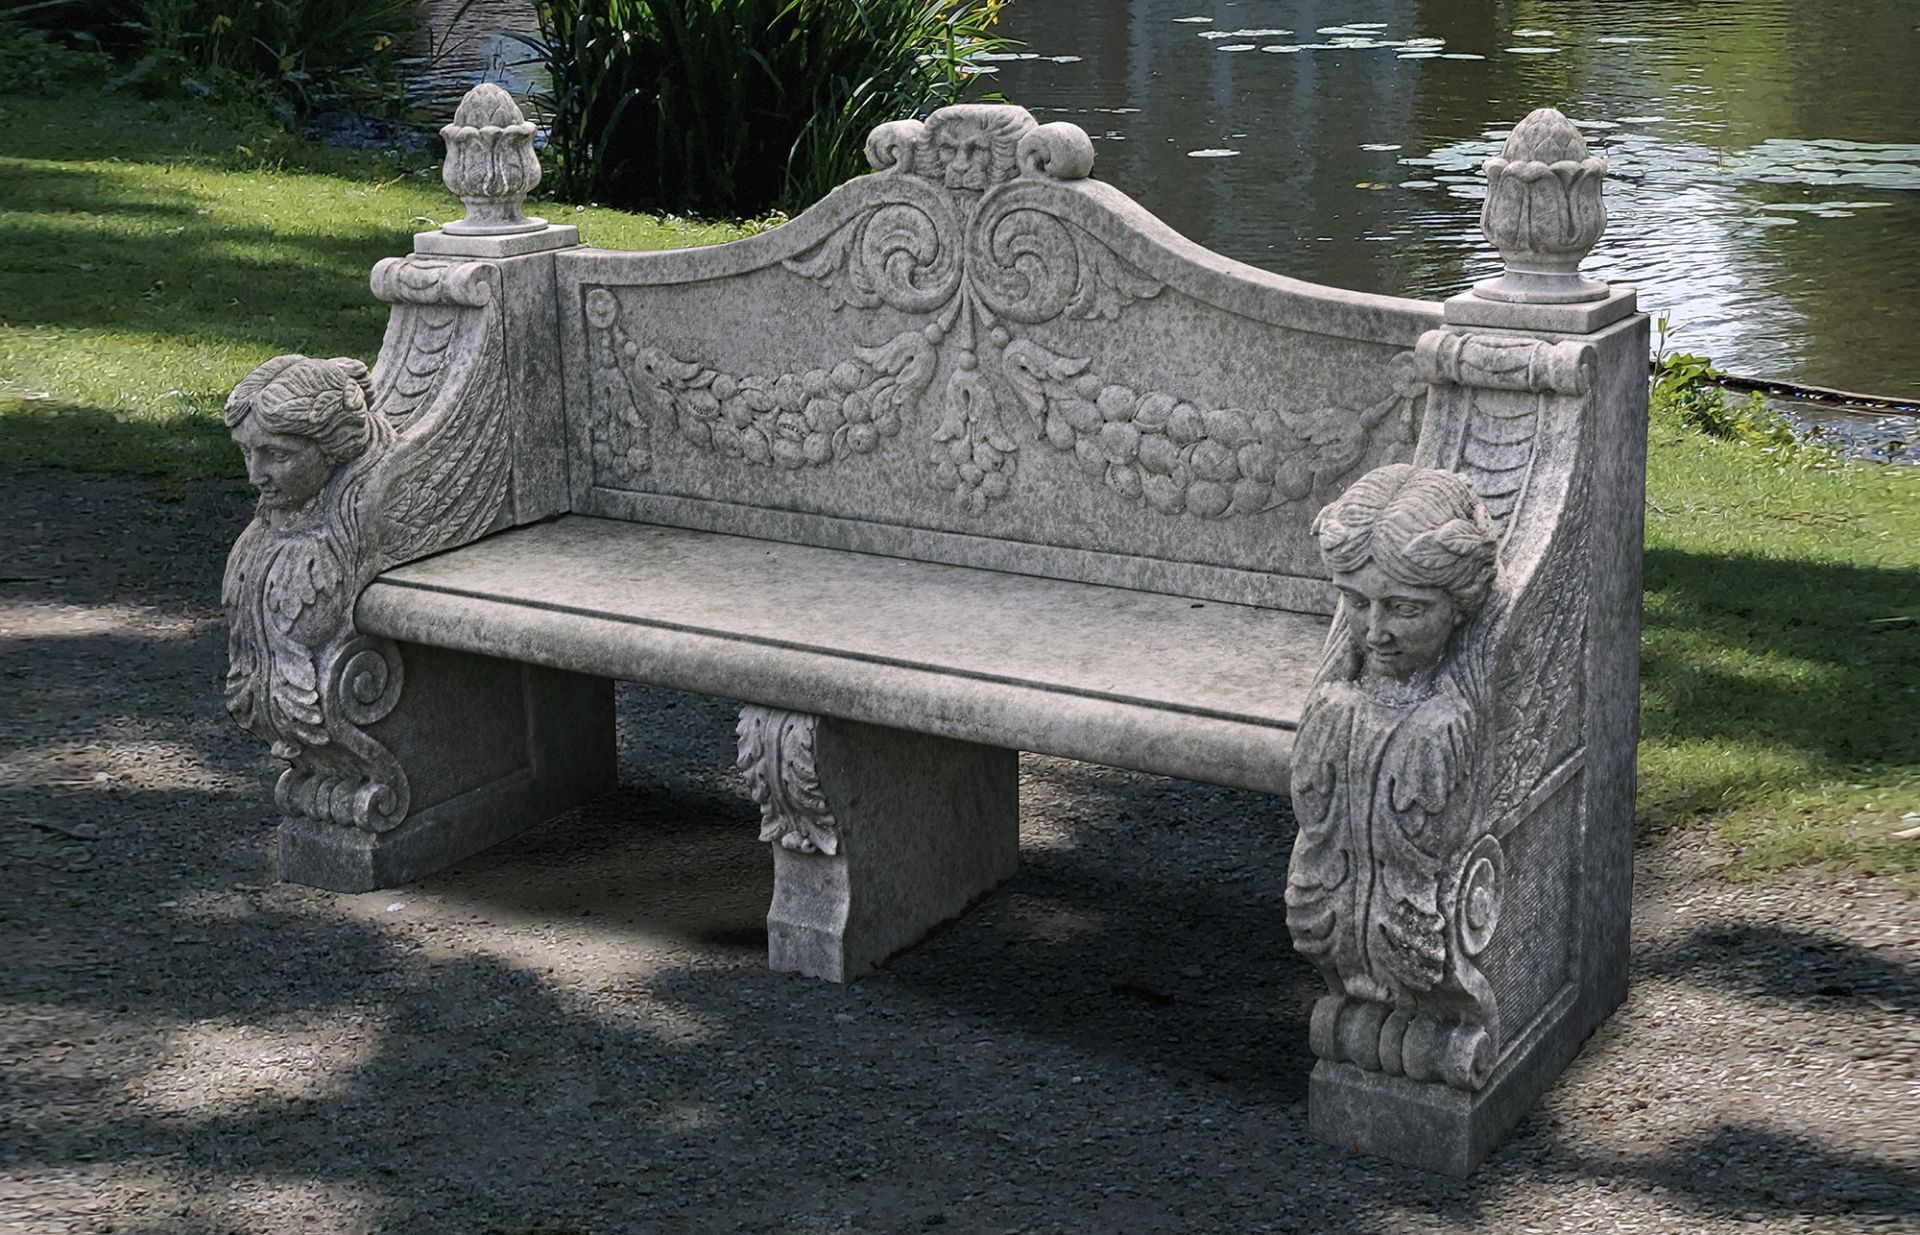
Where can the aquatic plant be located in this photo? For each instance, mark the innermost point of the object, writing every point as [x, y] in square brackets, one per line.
[1686, 392]
[738, 107]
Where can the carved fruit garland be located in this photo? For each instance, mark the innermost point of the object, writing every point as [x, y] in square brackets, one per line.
[971, 240]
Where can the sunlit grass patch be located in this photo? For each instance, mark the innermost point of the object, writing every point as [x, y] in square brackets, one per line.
[1781, 656]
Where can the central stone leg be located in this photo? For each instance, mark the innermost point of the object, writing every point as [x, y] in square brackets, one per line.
[879, 835]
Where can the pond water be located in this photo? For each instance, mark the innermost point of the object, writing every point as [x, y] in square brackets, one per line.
[1764, 189]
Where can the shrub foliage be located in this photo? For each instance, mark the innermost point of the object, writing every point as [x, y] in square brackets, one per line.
[289, 50]
[739, 107]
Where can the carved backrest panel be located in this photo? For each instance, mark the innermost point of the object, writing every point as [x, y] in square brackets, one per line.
[978, 355]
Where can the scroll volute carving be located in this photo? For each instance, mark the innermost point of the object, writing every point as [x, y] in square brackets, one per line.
[354, 476]
[1395, 883]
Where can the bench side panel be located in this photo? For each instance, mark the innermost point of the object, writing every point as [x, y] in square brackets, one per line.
[979, 356]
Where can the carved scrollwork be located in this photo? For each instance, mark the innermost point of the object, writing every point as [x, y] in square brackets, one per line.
[358, 472]
[968, 237]
[1497, 362]
[1476, 900]
[352, 779]
[776, 758]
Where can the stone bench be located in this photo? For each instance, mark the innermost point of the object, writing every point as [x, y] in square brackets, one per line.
[975, 457]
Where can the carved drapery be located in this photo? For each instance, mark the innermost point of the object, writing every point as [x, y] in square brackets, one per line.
[969, 237]
[776, 759]
[426, 465]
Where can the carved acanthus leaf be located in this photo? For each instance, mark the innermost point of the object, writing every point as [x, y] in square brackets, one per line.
[776, 759]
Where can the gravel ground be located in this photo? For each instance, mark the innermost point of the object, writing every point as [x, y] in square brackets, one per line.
[574, 1032]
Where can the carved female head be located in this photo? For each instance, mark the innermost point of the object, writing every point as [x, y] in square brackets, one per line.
[296, 421]
[1412, 553]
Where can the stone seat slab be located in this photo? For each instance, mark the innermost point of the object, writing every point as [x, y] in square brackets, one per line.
[1197, 689]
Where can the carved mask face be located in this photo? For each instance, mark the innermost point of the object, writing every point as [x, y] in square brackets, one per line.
[1402, 629]
[288, 471]
[968, 156]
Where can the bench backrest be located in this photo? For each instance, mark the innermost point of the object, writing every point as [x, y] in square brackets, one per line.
[979, 355]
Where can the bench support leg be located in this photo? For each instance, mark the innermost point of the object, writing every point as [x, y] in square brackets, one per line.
[879, 835]
[484, 748]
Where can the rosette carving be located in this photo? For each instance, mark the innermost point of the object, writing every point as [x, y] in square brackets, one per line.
[1544, 212]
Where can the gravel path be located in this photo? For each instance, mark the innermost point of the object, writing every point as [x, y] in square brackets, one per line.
[574, 1032]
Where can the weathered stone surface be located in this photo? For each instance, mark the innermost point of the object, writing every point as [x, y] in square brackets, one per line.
[454, 434]
[1161, 683]
[490, 164]
[489, 748]
[879, 835]
[1543, 212]
[1462, 871]
[978, 355]
[975, 456]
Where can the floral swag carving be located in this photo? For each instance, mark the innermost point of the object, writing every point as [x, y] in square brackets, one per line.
[357, 472]
[969, 237]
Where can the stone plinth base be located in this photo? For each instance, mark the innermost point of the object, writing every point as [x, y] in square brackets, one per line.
[1435, 1127]
[926, 826]
[490, 748]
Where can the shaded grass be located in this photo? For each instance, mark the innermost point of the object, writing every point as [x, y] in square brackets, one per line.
[150, 255]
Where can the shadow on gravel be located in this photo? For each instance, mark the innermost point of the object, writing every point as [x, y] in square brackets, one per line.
[576, 1031]
[1736, 1170]
[1774, 962]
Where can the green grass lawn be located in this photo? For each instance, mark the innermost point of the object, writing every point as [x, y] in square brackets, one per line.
[150, 255]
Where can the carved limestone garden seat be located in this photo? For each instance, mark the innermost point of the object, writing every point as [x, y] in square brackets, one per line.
[975, 457]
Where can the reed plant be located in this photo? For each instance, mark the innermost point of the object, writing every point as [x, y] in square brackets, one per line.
[734, 108]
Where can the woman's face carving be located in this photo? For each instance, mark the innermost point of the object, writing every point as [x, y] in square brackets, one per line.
[289, 471]
[1402, 628]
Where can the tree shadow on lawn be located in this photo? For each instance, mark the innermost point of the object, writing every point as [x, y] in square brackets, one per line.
[284, 287]
[46, 433]
[1827, 683]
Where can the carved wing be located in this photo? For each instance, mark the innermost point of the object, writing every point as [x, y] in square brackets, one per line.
[1537, 680]
[306, 589]
[447, 479]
